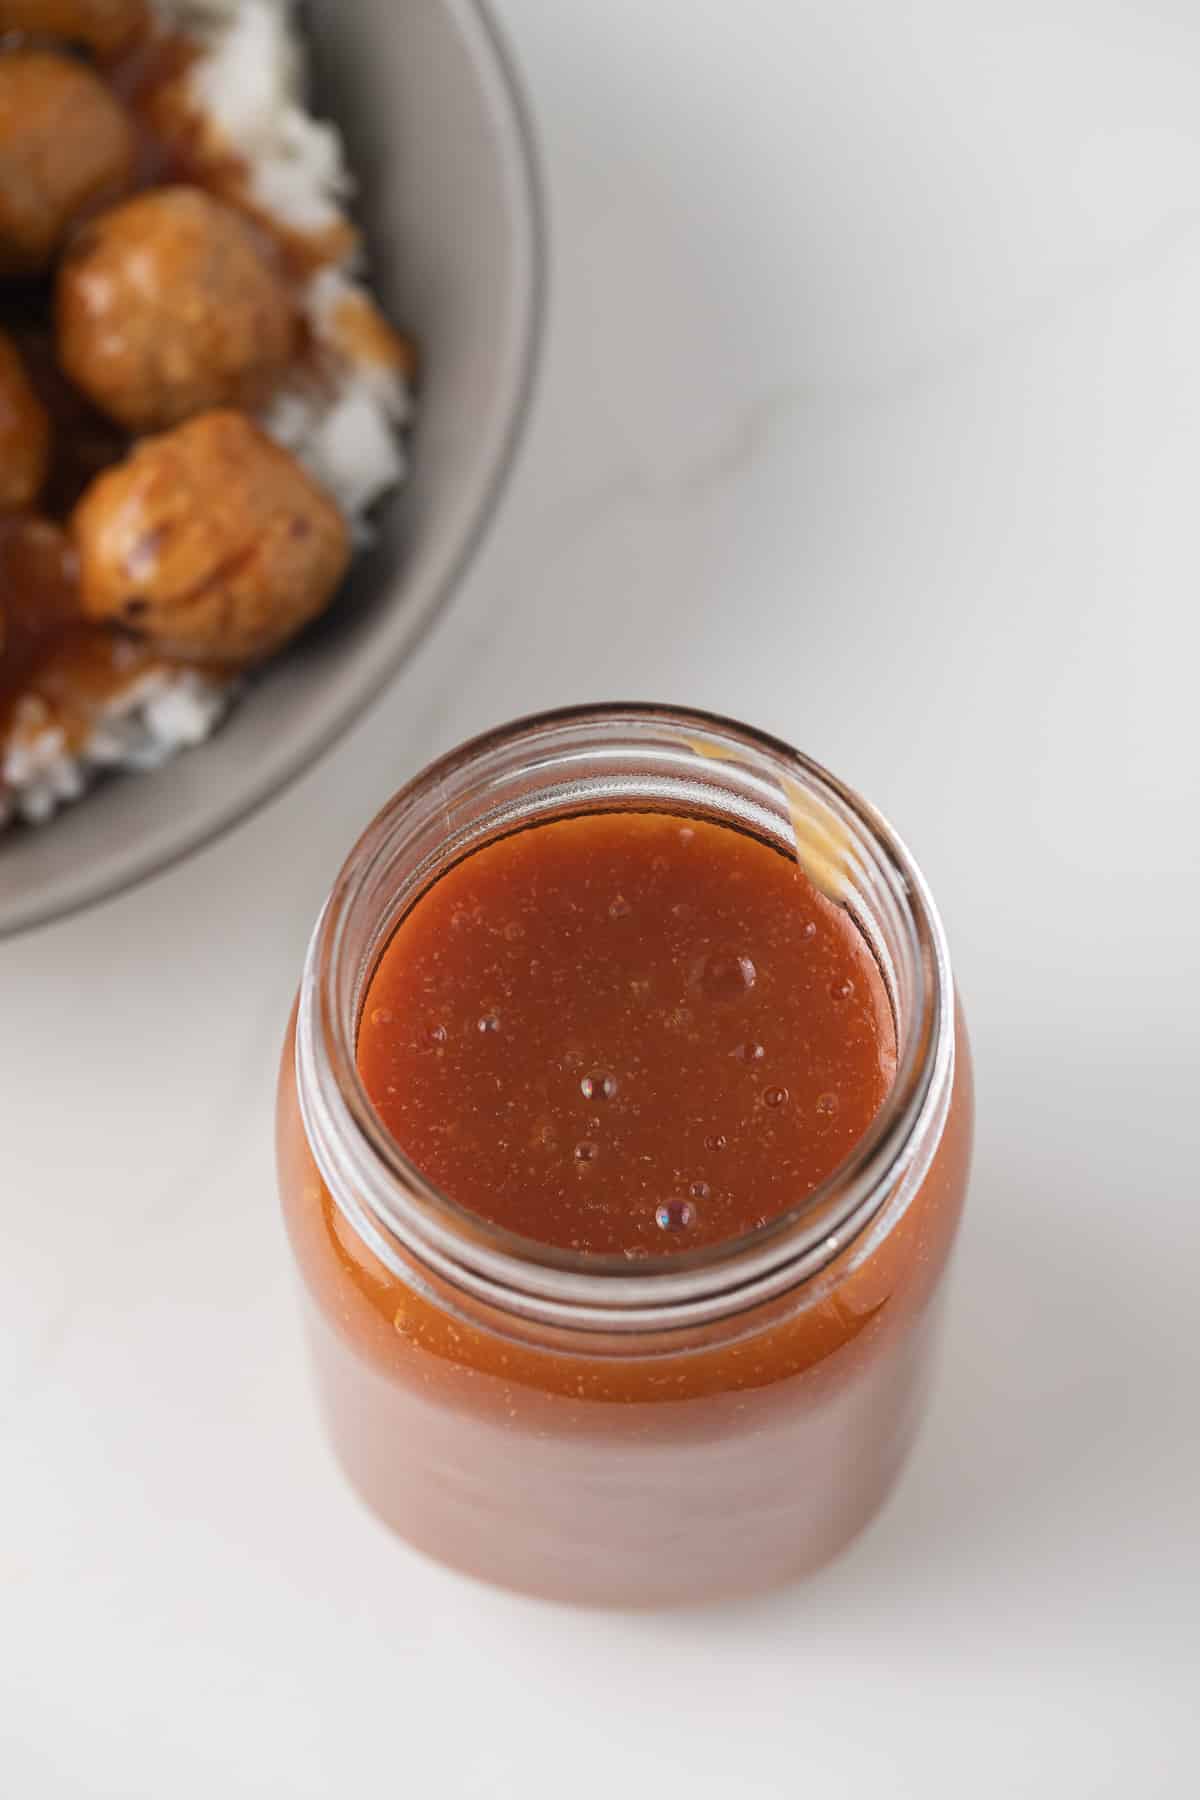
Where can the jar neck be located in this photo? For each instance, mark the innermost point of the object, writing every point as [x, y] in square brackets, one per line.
[606, 759]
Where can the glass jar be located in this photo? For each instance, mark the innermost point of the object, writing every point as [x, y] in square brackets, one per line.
[586, 1428]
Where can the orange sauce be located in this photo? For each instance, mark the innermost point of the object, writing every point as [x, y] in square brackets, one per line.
[627, 1033]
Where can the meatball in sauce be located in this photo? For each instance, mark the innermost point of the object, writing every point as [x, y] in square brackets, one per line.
[66, 145]
[169, 306]
[211, 541]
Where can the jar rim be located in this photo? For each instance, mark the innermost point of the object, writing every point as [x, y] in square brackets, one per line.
[403, 1216]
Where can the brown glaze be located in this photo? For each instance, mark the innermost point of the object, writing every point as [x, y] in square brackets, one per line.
[363, 334]
[83, 441]
[24, 433]
[38, 599]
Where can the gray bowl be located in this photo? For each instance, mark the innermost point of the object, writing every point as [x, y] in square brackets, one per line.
[440, 141]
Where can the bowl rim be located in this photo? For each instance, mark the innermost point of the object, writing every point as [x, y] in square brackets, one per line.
[515, 116]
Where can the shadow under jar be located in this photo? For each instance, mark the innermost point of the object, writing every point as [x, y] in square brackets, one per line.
[636, 1428]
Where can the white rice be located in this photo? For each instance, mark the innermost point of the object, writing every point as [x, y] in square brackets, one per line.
[347, 433]
[160, 712]
[248, 87]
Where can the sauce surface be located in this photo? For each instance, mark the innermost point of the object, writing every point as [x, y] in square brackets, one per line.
[627, 1033]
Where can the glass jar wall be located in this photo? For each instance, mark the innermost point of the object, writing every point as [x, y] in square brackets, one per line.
[577, 1426]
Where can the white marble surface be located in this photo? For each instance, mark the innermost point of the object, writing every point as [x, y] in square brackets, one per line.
[871, 412]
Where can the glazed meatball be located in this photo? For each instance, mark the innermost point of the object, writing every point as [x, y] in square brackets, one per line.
[24, 433]
[211, 540]
[65, 144]
[167, 307]
[105, 26]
